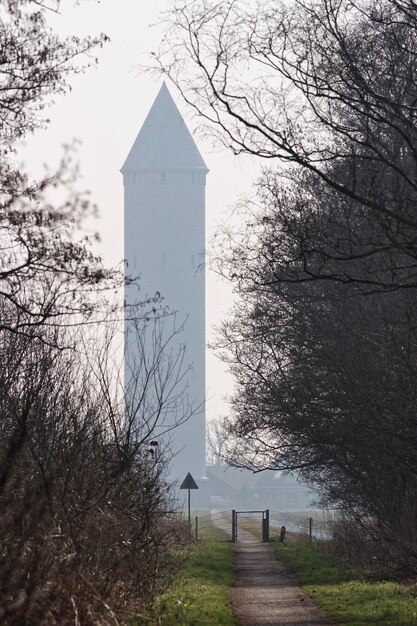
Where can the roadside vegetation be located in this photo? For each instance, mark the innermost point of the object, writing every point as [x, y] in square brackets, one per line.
[199, 593]
[89, 528]
[343, 591]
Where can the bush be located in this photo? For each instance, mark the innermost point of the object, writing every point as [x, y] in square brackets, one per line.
[88, 525]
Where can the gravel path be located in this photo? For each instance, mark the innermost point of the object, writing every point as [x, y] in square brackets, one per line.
[265, 593]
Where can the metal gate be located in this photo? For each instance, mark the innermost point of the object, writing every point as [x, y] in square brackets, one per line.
[265, 523]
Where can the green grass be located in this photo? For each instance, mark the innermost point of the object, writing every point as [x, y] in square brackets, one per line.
[341, 592]
[207, 531]
[200, 592]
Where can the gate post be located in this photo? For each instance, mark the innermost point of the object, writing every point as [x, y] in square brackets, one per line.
[265, 526]
[234, 526]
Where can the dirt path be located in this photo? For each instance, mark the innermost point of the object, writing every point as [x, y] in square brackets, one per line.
[265, 593]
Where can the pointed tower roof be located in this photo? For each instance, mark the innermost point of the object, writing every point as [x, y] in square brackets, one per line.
[164, 141]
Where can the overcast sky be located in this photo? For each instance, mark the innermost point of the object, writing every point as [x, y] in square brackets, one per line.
[105, 110]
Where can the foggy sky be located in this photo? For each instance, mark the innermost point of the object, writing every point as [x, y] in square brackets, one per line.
[105, 109]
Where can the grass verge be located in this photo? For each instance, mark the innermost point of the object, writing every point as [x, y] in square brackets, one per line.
[200, 592]
[208, 529]
[343, 594]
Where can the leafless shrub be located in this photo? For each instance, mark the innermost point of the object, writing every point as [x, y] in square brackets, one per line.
[350, 544]
[297, 537]
[380, 550]
[87, 524]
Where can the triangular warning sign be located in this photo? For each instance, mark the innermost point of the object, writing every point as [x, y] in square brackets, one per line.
[189, 482]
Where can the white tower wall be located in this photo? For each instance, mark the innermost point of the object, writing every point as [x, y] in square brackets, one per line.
[164, 189]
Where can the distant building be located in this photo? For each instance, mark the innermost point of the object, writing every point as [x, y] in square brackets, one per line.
[232, 488]
[164, 179]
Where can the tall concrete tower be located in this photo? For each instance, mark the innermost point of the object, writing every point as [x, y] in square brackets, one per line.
[164, 179]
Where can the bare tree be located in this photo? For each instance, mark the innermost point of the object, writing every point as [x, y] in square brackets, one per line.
[217, 437]
[144, 380]
[156, 376]
[48, 271]
[325, 385]
[329, 88]
[322, 342]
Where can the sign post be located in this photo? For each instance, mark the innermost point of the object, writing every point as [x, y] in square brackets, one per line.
[189, 483]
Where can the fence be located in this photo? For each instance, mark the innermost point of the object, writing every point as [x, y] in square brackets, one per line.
[315, 524]
[218, 525]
